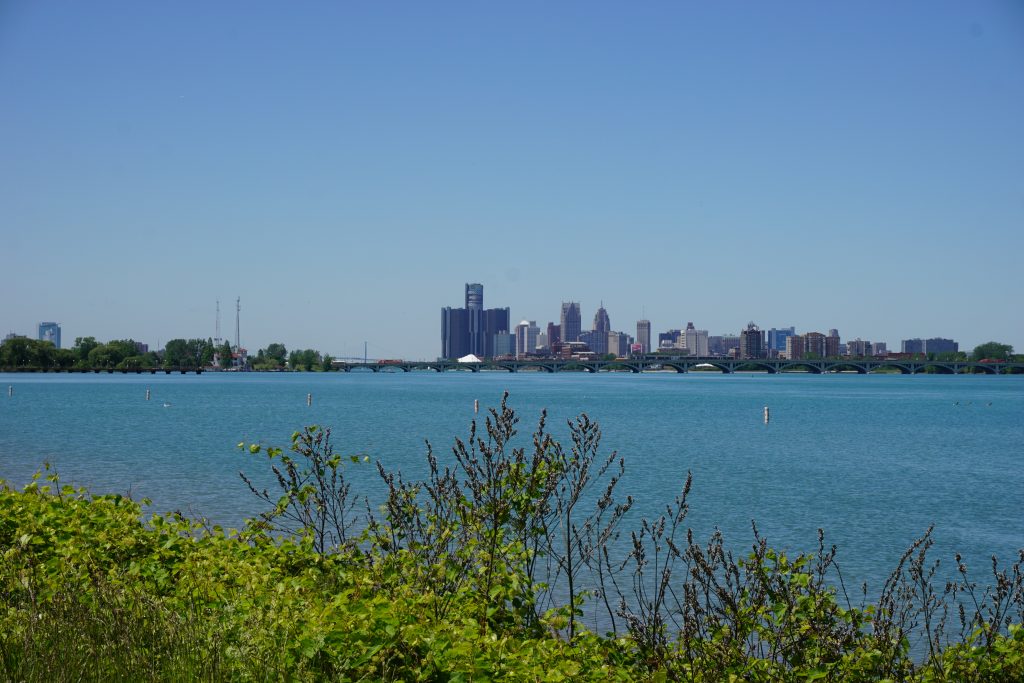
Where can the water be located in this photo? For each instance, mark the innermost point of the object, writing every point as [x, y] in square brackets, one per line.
[874, 460]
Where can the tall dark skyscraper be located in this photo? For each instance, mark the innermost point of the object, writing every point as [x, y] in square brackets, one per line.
[571, 321]
[602, 326]
[474, 296]
[472, 329]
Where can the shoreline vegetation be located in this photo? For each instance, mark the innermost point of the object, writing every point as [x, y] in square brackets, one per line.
[20, 354]
[494, 566]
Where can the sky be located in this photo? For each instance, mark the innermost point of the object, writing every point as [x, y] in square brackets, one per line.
[345, 168]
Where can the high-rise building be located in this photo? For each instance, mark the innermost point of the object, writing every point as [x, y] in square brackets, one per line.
[832, 345]
[794, 347]
[752, 342]
[668, 340]
[526, 338]
[696, 341]
[940, 345]
[814, 344]
[602, 326]
[454, 332]
[776, 339]
[554, 335]
[724, 345]
[915, 345]
[643, 335]
[880, 349]
[858, 348]
[619, 343]
[50, 332]
[475, 296]
[472, 329]
[504, 344]
[571, 322]
[495, 320]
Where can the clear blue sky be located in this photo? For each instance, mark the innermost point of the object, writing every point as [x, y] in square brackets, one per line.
[347, 167]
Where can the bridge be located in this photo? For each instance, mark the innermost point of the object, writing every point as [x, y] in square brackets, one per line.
[689, 364]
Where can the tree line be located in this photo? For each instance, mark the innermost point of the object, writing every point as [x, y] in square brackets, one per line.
[127, 354]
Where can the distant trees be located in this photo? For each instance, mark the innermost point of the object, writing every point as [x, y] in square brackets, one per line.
[188, 353]
[993, 350]
[305, 360]
[21, 352]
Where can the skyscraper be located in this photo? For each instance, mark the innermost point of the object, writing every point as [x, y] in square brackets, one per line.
[602, 326]
[474, 296]
[696, 341]
[475, 308]
[50, 332]
[526, 338]
[752, 342]
[454, 332]
[643, 335]
[776, 339]
[571, 321]
[472, 329]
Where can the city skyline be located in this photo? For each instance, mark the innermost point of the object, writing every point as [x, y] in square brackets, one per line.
[853, 167]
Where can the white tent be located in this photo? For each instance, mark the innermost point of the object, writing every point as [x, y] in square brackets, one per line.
[470, 359]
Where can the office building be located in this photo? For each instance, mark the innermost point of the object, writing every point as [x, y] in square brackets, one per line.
[669, 340]
[571, 322]
[696, 341]
[794, 347]
[752, 342]
[880, 349]
[504, 345]
[50, 332]
[912, 346]
[619, 343]
[858, 348]
[643, 335]
[775, 339]
[472, 330]
[724, 345]
[554, 335]
[832, 345]
[602, 326]
[940, 345]
[814, 345]
[526, 338]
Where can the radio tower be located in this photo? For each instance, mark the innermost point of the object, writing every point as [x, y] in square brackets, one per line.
[238, 313]
[216, 336]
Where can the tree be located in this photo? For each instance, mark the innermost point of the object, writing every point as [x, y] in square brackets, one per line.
[327, 363]
[25, 352]
[277, 353]
[224, 351]
[993, 350]
[83, 345]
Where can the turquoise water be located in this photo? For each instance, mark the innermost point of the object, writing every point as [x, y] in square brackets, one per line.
[871, 459]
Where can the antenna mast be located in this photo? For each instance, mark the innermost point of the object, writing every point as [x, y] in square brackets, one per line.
[216, 336]
[238, 314]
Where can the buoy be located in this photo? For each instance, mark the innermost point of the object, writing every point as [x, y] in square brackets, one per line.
[766, 415]
[476, 405]
[10, 390]
[309, 399]
[147, 394]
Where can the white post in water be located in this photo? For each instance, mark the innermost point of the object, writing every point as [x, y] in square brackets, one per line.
[147, 393]
[476, 405]
[309, 399]
[10, 390]
[766, 415]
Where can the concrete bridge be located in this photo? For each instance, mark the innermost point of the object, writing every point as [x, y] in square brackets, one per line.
[688, 364]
